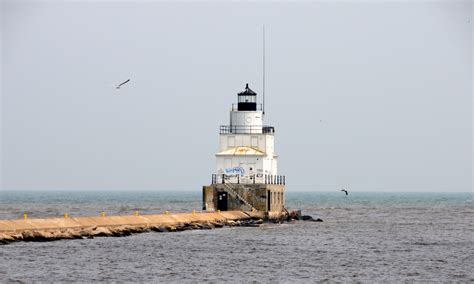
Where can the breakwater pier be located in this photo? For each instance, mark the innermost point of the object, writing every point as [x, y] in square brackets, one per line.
[67, 227]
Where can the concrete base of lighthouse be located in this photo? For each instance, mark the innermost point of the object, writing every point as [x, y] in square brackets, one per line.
[244, 197]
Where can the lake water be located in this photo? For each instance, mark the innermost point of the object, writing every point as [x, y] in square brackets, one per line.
[367, 237]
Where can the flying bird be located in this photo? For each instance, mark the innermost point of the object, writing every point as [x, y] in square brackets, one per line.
[345, 191]
[123, 83]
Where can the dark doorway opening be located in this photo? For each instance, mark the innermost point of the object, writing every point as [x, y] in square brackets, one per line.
[269, 200]
[222, 201]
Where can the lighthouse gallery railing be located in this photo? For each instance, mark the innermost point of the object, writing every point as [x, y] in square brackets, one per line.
[253, 179]
[236, 129]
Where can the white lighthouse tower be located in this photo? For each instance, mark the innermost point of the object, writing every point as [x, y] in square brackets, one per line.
[246, 149]
[246, 175]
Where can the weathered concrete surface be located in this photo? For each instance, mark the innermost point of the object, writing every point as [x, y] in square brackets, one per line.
[86, 227]
[263, 197]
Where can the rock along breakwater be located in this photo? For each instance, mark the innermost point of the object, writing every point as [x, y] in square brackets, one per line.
[50, 229]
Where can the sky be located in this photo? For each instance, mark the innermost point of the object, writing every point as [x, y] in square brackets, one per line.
[366, 95]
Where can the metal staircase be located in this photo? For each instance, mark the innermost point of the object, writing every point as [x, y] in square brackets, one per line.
[232, 191]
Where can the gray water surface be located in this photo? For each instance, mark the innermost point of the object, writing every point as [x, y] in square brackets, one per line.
[368, 237]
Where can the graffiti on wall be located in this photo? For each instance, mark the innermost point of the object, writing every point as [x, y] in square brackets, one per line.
[235, 170]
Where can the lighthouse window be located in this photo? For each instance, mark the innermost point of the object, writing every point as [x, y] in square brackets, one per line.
[247, 99]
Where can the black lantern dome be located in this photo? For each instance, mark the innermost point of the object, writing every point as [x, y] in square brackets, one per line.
[247, 100]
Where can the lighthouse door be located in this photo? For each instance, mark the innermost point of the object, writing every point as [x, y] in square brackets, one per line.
[222, 201]
[269, 200]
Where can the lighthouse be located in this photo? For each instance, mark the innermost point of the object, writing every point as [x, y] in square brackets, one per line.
[246, 176]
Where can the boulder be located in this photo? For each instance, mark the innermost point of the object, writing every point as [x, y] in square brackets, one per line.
[86, 233]
[27, 236]
[122, 231]
[207, 226]
[309, 218]
[171, 228]
[160, 229]
[66, 234]
[34, 236]
[101, 232]
[217, 224]
[5, 238]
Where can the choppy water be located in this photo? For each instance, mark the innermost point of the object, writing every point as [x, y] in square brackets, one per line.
[368, 237]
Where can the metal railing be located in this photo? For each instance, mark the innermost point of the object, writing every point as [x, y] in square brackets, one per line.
[239, 129]
[249, 179]
[230, 189]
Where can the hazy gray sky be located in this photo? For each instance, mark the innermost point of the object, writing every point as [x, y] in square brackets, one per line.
[363, 95]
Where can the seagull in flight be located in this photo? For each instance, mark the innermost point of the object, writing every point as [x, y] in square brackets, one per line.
[345, 191]
[123, 83]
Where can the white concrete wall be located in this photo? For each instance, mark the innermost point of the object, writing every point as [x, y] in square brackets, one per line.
[270, 144]
[270, 166]
[249, 119]
[257, 141]
[265, 165]
[242, 165]
[246, 118]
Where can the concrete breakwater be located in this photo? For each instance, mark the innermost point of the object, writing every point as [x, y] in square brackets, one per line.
[50, 229]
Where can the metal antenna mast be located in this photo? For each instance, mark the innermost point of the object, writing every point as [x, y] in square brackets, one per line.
[263, 105]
